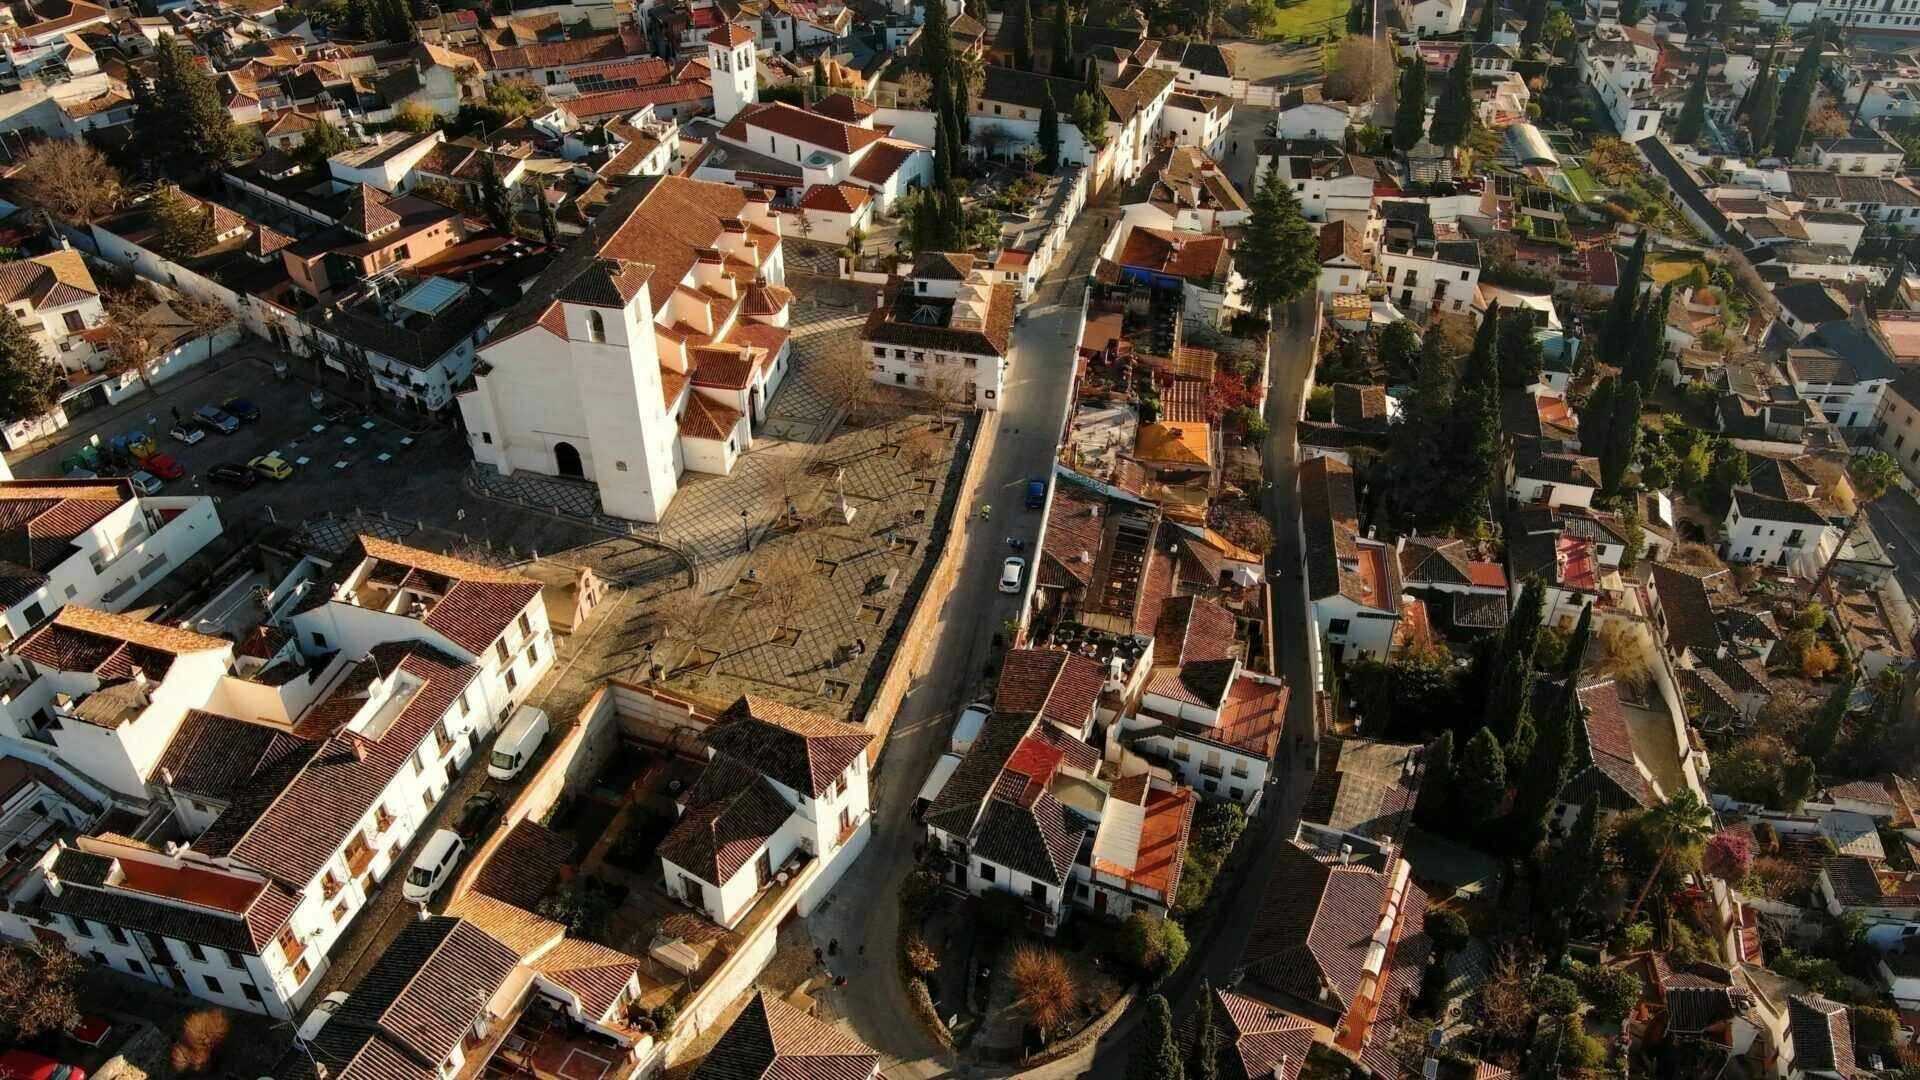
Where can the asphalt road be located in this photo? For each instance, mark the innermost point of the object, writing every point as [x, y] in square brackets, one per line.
[1020, 441]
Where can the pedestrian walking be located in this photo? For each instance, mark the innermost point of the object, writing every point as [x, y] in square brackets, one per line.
[833, 947]
[819, 957]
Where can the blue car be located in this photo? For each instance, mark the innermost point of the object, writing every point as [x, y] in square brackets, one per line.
[218, 419]
[242, 409]
[1036, 494]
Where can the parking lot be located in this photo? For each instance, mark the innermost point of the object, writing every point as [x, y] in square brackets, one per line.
[364, 462]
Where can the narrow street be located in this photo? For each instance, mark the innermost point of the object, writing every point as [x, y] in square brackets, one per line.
[1019, 441]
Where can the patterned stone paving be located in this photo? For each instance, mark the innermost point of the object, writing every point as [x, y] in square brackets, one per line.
[331, 533]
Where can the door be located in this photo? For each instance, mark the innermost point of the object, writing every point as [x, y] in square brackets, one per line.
[763, 868]
[1099, 901]
[960, 874]
[566, 461]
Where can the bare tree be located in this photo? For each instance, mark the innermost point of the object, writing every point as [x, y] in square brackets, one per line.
[791, 583]
[921, 449]
[72, 180]
[132, 340]
[677, 617]
[844, 373]
[914, 90]
[947, 392]
[788, 492]
[1363, 70]
[201, 1035]
[204, 318]
[36, 989]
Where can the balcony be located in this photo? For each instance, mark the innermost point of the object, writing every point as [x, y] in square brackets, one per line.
[359, 857]
[1215, 771]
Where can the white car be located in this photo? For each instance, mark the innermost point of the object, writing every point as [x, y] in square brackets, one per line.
[186, 432]
[321, 1013]
[145, 482]
[1010, 572]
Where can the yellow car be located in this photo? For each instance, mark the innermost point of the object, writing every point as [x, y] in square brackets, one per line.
[272, 466]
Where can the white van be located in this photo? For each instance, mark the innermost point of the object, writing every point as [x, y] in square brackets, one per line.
[515, 746]
[434, 866]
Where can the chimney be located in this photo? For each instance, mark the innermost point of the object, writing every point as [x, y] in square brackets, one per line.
[53, 883]
[359, 747]
[140, 686]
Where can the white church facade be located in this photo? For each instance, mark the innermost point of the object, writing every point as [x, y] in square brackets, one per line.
[652, 345]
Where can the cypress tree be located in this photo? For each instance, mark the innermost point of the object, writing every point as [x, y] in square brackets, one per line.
[1761, 105]
[1536, 25]
[1480, 781]
[1410, 120]
[1730, 18]
[1824, 732]
[1693, 115]
[1616, 330]
[359, 21]
[494, 202]
[1552, 760]
[1649, 339]
[1157, 1056]
[1279, 251]
[1629, 12]
[1453, 110]
[1695, 16]
[1596, 416]
[1483, 366]
[1520, 356]
[1623, 438]
[1023, 45]
[1436, 790]
[1483, 30]
[1576, 862]
[549, 224]
[1510, 689]
[1203, 1057]
[1062, 40]
[1050, 134]
[1791, 125]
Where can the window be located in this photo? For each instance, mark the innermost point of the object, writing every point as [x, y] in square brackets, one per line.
[533, 648]
[319, 640]
[74, 322]
[213, 984]
[249, 990]
[487, 437]
[301, 970]
[986, 872]
[1337, 627]
[512, 683]
[526, 624]
[596, 327]
[118, 935]
[1039, 893]
[194, 950]
[500, 650]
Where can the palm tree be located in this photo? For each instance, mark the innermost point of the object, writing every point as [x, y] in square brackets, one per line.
[1871, 474]
[1680, 821]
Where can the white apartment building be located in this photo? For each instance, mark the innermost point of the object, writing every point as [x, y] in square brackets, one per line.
[1422, 273]
[1199, 121]
[947, 331]
[1353, 583]
[55, 298]
[1426, 18]
[1218, 726]
[1018, 813]
[782, 786]
[1778, 532]
[93, 543]
[1875, 156]
[1619, 63]
[382, 592]
[650, 347]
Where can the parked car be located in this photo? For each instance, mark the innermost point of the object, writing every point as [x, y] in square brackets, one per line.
[478, 814]
[229, 474]
[24, 1065]
[321, 1013]
[187, 431]
[243, 410]
[434, 866]
[1036, 494]
[145, 482]
[337, 412]
[272, 466]
[516, 745]
[217, 418]
[165, 466]
[134, 444]
[1010, 574]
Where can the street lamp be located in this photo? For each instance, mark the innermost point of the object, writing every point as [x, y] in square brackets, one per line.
[746, 531]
